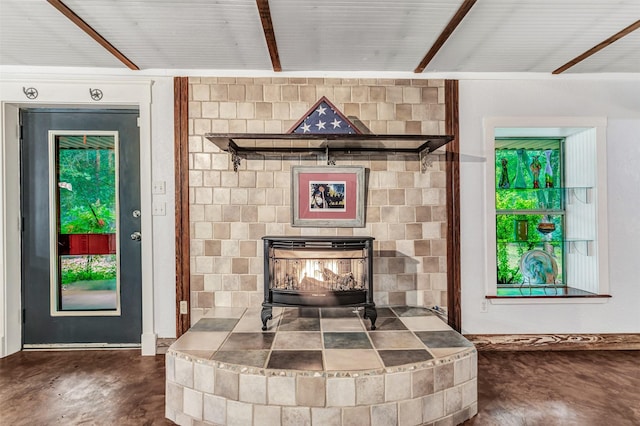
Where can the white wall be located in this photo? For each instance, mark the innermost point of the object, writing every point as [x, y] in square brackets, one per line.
[619, 102]
[154, 97]
[164, 234]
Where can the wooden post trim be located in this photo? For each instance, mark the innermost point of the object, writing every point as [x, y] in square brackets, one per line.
[454, 310]
[181, 144]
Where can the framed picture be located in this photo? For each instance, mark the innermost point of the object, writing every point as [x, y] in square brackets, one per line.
[327, 196]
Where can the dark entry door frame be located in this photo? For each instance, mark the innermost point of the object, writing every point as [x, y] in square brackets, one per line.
[94, 310]
[66, 94]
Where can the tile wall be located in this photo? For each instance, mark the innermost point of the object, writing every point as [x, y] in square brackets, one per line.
[231, 211]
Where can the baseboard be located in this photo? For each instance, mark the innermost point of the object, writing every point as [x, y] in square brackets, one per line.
[77, 346]
[554, 342]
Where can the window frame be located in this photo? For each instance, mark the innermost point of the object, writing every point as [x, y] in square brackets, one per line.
[528, 144]
[559, 127]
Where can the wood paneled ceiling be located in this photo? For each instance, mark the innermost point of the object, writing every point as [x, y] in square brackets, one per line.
[411, 36]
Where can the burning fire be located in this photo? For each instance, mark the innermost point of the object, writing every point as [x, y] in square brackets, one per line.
[311, 275]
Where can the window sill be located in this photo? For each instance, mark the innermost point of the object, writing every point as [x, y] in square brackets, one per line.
[526, 295]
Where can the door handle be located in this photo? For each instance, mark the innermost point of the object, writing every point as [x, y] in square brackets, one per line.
[136, 236]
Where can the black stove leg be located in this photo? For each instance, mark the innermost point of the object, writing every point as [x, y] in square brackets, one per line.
[371, 313]
[265, 315]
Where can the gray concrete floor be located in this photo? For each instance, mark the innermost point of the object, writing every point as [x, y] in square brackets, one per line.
[514, 388]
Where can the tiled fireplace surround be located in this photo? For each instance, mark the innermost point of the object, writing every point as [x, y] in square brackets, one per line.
[231, 211]
[229, 214]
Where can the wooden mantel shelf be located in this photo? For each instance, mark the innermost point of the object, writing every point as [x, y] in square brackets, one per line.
[237, 144]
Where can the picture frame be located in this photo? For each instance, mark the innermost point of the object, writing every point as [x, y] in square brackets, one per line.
[328, 196]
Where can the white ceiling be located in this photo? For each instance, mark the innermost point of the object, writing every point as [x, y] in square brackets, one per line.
[535, 36]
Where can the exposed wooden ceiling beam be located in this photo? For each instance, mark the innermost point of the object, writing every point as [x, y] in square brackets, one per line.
[445, 34]
[70, 14]
[617, 36]
[269, 35]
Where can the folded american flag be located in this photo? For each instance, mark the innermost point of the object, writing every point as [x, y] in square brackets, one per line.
[324, 118]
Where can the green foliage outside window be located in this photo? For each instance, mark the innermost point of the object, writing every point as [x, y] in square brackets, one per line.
[98, 272]
[522, 205]
[87, 191]
[87, 200]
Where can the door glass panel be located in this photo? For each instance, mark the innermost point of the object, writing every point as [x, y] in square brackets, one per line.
[85, 274]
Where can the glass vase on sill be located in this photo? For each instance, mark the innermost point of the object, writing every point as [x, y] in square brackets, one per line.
[519, 180]
[535, 168]
[548, 170]
[505, 182]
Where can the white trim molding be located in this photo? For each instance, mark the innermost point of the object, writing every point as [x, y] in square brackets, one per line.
[63, 93]
[547, 127]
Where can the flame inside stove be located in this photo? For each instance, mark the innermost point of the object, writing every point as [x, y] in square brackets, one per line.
[311, 272]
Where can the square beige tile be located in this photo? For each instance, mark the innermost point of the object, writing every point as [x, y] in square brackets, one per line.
[174, 396]
[203, 377]
[341, 324]
[452, 400]
[215, 409]
[397, 386]
[267, 415]
[428, 323]
[356, 416]
[443, 377]
[281, 390]
[310, 391]
[255, 312]
[226, 384]
[192, 404]
[470, 393]
[395, 340]
[326, 416]
[341, 392]
[370, 390]
[184, 372]
[410, 412]
[351, 359]
[253, 388]
[462, 370]
[296, 416]
[200, 341]
[253, 324]
[239, 413]
[384, 414]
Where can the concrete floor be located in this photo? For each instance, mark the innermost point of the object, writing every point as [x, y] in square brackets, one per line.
[586, 388]
[514, 388]
[115, 387]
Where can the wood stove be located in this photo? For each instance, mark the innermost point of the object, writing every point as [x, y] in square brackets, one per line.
[319, 272]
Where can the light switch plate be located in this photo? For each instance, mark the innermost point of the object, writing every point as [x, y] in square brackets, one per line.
[159, 208]
[158, 187]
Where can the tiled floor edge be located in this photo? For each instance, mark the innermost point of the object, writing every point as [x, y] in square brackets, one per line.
[190, 399]
[356, 373]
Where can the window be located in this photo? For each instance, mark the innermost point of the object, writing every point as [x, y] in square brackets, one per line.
[530, 243]
[546, 218]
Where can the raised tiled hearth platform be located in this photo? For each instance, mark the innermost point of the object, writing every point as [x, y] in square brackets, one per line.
[321, 366]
